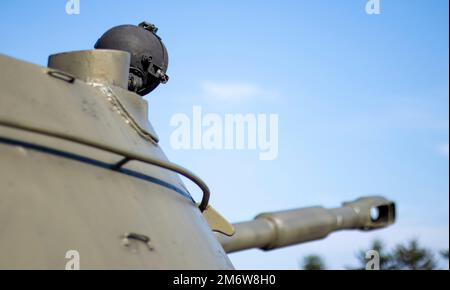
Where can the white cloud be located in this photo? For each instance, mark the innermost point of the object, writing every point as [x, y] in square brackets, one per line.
[443, 149]
[236, 92]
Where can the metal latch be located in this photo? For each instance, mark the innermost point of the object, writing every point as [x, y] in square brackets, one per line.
[218, 223]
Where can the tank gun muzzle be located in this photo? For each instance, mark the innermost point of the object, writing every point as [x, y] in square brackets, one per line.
[274, 230]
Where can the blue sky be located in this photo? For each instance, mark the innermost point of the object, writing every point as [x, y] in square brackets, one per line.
[362, 102]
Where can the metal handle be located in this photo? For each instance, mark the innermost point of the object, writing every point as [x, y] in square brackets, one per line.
[172, 167]
[128, 156]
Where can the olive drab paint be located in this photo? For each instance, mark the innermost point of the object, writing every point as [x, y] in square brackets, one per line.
[86, 185]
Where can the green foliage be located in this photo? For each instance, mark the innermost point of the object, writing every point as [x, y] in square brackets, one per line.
[385, 257]
[408, 256]
[313, 262]
[413, 257]
[444, 254]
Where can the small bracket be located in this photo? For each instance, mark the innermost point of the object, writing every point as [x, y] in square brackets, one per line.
[149, 27]
[120, 164]
[217, 222]
[137, 237]
[61, 76]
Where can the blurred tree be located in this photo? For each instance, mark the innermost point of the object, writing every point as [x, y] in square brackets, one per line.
[410, 256]
[313, 262]
[385, 257]
[444, 254]
[413, 257]
[404, 257]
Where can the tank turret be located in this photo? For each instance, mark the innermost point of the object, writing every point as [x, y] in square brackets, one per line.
[82, 171]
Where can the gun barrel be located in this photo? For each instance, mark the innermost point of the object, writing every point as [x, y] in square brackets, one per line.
[270, 231]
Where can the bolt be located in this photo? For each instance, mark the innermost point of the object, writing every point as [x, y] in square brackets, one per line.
[149, 27]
